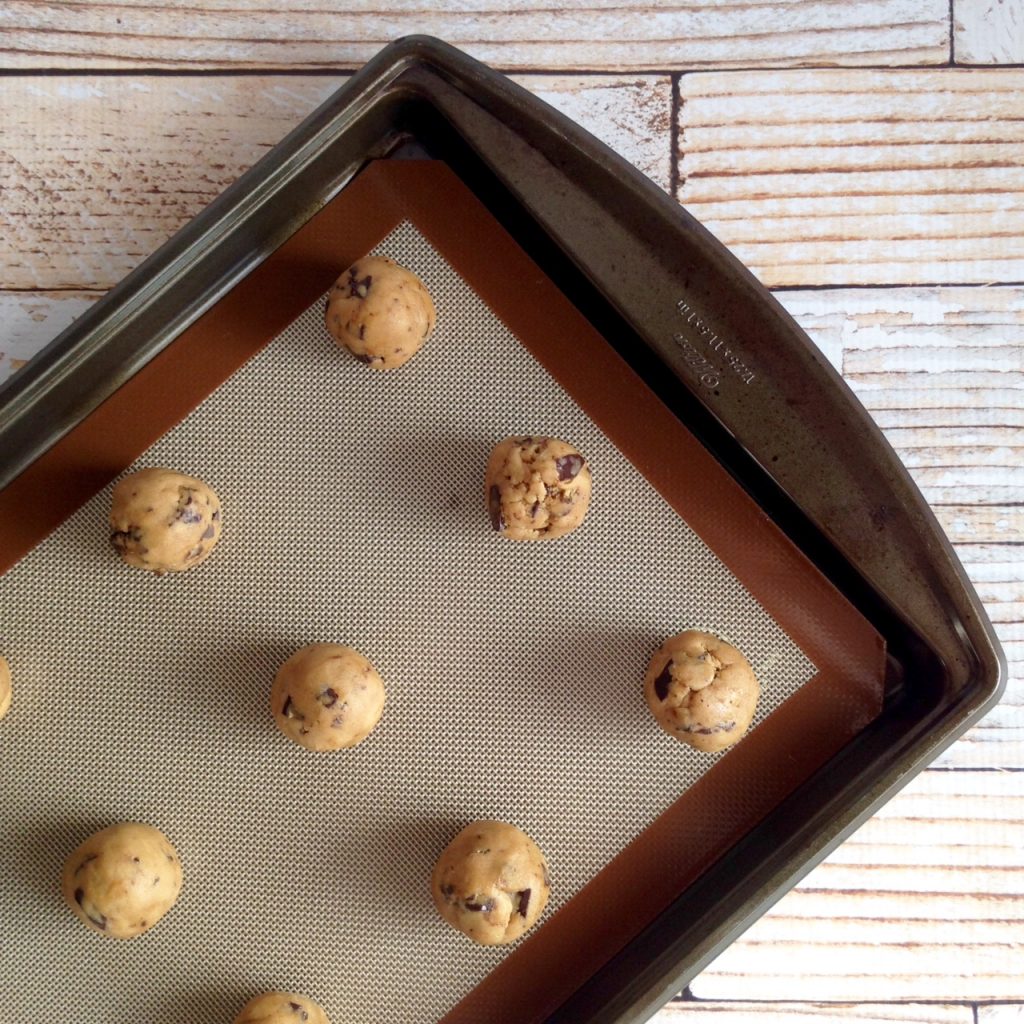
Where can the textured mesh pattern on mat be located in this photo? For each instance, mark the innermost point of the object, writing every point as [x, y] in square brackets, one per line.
[354, 512]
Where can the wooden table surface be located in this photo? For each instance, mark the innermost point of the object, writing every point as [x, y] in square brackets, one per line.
[865, 159]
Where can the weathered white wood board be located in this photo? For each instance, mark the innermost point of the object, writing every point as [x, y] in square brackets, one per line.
[988, 32]
[30, 320]
[1004, 1013]
[699, 1012]
[924, 902]
[606, 35]
[859, 177]
[942, 372]
[99, 171]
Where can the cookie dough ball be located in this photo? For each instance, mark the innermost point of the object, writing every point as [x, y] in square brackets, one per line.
[538, 488]
[282, 1008]
[5, 687]
[164, 521]
[326, 697]
[491, 883]
[701, 690]
[122, 879]
[381, 312]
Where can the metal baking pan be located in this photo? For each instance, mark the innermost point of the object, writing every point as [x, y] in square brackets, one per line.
[703, 335]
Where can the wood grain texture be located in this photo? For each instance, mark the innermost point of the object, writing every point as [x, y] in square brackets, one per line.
[1001, 1014]
[99, 171]
[926, 901]
[941, 370]
[607, 35]
[859, 177]
[700, 1012]
[988, 32]
[30, 320]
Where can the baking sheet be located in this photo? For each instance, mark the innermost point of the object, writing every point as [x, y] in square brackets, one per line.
[354, 513]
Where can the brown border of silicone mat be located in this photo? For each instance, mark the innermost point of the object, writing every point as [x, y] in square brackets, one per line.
[724, 805]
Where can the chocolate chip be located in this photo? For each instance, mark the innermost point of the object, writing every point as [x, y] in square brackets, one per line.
[568, 466]
[156, 880]
[216, 515]
[295, 1008]
[328, 697]
[448, 891]
[122, 539]
[289, 710]
[358, 289]
[362, 332]
[524, 902]
[100, 921]
[494, 507]
[135, 860]
[337, 721]
[534, 509]
[209, 532]
[662, 683]
[190, 515]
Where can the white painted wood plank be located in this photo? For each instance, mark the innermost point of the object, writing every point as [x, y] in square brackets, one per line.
[100, 171]
[103, 170]
[999, 740]
[859, 177]
[942, 372]
[1001, 1014]
[633, 115]
[607, 35]
[988, 31]
[976, 524]
[699, 1012]
[926, 901]
[30, 320]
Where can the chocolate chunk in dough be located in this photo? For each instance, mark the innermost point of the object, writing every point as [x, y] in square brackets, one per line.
[380, 312]
[122, 880]
[701, 690]
[538, 488]
[491, 883]
[327, 697]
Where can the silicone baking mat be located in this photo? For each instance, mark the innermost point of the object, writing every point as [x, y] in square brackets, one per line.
[354, 513]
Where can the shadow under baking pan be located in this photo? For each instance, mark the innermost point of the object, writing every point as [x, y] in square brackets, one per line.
[516, 720]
